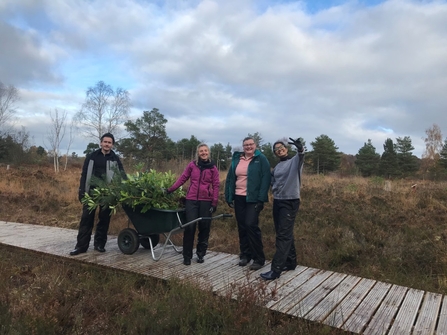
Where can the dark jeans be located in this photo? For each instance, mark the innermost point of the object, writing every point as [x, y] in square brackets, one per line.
[284, 213]
[86, 228]
[250, 239]
[193, 210]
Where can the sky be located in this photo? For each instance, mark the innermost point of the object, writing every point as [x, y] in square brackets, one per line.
[223, 69]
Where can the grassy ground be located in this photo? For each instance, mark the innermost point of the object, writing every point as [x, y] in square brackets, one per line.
[388, 231]
[43, 295]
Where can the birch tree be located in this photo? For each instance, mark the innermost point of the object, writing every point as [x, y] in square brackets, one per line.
[56, 134]
[104, 110]
[9, 95]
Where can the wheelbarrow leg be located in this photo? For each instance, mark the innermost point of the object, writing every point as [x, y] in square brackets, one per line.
[168, 243]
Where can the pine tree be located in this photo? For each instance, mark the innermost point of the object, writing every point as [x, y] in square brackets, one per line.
[367, 160]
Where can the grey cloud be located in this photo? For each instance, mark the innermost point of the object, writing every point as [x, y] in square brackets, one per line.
[240, 67]
[23, 58]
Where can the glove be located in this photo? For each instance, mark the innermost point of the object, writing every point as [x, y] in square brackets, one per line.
[259, 207]
[213, 209]
[297, 143]
[80, 196]
[165, 190]
[230, 204]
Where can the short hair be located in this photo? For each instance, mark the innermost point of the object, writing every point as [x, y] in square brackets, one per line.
[249, 138]
[108, 135]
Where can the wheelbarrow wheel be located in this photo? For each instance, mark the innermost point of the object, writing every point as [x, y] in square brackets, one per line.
[144, 241]
[128, 241]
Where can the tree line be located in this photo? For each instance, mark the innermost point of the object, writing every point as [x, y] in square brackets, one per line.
[147, 142]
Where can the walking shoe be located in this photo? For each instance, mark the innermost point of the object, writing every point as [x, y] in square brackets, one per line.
[76, 251]
[271, 275]
[243, 262]
[99, 248]
[186, 260]
[200, 259]
[256, 266]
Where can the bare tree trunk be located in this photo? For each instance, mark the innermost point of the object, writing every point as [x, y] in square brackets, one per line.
[56, 134]
[70, 141]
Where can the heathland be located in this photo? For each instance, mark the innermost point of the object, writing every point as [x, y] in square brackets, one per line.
[392, 231]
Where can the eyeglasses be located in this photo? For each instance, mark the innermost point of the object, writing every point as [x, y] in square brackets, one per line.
[279, 148]
[249, 144]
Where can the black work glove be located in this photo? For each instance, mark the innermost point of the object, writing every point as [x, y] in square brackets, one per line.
[297, 143]
[259, 206]
[213, 209]
[81, 195]
[230, 204]
[165, 190]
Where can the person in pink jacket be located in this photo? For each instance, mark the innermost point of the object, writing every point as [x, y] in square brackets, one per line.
[201, 201]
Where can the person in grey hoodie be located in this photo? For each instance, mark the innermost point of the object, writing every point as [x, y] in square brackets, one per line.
[286, 182]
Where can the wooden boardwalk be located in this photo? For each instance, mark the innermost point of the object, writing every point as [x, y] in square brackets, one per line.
[350, 303]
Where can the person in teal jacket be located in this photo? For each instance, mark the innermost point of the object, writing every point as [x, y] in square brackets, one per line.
[246, 189]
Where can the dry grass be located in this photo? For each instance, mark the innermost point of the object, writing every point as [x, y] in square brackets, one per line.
[353, 225]
[40, 294]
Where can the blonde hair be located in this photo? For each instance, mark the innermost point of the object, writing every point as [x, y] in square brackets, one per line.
[203, 145]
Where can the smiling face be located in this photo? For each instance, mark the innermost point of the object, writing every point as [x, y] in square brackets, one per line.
[249, 147]
[280, 150]
[106, 145]
[203, 152]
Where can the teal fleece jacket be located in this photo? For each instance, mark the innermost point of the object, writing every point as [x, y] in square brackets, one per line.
[258, 178]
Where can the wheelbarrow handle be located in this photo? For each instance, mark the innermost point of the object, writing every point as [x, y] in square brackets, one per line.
[206, 218]
[221, 216]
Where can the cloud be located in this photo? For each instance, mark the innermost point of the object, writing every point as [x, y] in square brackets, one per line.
[219, 70]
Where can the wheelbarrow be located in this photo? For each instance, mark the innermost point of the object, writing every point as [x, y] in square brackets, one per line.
[148, 227]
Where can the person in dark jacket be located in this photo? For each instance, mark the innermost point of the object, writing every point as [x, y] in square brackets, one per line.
[286, 182]
[201, 201]
[246, 189]
[102, 163]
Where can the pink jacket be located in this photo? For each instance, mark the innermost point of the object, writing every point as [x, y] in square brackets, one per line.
[204, 183]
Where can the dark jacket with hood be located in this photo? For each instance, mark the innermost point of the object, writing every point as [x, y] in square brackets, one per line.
[258, 178]
[100, 166]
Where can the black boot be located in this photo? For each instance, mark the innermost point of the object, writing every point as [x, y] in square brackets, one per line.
[186, 260]
[271, 275]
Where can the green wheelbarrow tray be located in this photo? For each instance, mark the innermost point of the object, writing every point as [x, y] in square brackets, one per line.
[150, 224]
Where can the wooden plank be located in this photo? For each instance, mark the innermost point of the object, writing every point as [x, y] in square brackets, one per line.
[407, 313]
[382, 319]
[442, 322]
[232, 276]
[288, 302]
[207, 271]
[266, 291]
[428, 315]
[333, 299]
[345, 309]
[351, 303]
[289, 282]
[311, 300]
[362, 314]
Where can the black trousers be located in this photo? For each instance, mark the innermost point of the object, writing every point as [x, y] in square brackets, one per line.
[86, 228]
[284, 214]
[250, 239]
[193, 210]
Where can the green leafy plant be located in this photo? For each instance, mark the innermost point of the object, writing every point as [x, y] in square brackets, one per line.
[142, 190]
